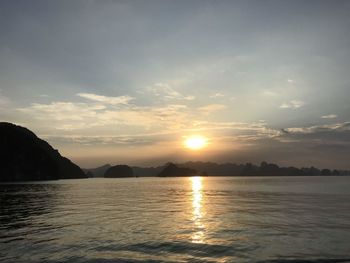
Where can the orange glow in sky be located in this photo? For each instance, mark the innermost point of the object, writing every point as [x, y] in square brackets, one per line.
[196, 142]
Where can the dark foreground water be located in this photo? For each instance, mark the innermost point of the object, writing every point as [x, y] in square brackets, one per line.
[266, 219]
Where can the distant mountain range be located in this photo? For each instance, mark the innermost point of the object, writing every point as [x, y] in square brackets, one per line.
[264, 169]
[226, 169]
[172, 170]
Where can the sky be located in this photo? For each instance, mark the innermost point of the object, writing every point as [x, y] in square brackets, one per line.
[128, 81]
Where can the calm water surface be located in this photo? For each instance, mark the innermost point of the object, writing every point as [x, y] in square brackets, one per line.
[266, 219]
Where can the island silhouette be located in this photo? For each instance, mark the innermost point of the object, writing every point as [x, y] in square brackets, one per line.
[25, 157]
[121, 170]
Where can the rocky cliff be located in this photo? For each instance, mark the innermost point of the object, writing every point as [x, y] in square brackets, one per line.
[25, 157]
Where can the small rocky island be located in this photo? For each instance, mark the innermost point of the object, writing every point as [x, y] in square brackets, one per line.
[119, 171]
[97, 172]
[172, 170]
[25, 157]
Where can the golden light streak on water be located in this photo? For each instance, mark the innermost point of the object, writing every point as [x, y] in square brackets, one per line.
[197, 199]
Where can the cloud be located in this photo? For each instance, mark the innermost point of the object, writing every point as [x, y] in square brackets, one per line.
[293, 104]
[77, 116]
[217, 95]
[165, 91]
[189, 97]
[4, 101]
[143, 139]
[105, 99]
[284, 106]
[86, 119]
[227, 132]
[330, 116]
[239, 130]
[342, 126]
[63, 111]
[97, 122]
[77, 123]
[208, 109]
[269, 93]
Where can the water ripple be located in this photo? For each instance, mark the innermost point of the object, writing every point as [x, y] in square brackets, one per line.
[176, 220]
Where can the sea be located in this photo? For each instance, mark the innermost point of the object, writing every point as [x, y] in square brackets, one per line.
[183, 219]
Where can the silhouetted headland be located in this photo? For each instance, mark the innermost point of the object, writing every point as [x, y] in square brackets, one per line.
[25, 157]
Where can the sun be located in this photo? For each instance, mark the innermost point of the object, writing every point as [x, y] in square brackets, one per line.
[196, 142]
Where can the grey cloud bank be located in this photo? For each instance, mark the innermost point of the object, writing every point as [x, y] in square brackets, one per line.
[126, 76]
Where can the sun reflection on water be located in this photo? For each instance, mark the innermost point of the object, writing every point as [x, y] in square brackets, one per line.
[197, 198]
